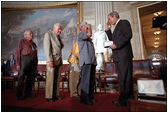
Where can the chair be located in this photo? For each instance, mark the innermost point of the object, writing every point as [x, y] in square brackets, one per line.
[109, 76]
[64, 75]
[42, 78]
[143, 69]
[162, 69]
[12, 78]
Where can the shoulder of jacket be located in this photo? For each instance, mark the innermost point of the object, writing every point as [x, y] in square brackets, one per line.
[23, 39]
[124, 21]
[48, 32]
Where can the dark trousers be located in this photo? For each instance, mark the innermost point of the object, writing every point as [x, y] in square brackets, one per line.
[124, 69]
[87, 82]
[28, 67]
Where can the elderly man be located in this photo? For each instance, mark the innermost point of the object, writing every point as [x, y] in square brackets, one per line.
[87, 62]
[52, 47]
[26, 61]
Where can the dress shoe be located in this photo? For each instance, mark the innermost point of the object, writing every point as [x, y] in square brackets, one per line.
[20, 98]
[30, 95]
[77, 96]
[59, 98]
[49, 100]
[122, 103]
[88, 103]
[116, 101]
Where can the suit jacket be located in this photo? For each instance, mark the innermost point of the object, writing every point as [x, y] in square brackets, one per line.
[52, 47]
[121, 37]
[86, 50]
[8, 67]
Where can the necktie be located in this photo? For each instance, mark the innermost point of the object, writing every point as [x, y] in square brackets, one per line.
[113, 28]
[11, 64]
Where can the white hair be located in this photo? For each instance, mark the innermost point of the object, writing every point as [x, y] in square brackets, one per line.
[25, 33]
[56, 24]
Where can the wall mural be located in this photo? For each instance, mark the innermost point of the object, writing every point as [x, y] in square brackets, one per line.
[14, 23]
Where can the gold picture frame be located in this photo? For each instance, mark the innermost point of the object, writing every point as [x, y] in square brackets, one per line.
[19, 7]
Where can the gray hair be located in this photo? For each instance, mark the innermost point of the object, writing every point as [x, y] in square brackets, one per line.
[82, 23]
[25, 33]
[114, 13]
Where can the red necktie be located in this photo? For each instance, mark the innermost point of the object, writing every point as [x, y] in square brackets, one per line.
[11, 64]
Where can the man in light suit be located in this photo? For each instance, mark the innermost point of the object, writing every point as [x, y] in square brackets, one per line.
[122, 54]
[52, 48]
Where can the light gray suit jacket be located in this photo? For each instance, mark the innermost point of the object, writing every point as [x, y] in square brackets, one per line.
[52, 47]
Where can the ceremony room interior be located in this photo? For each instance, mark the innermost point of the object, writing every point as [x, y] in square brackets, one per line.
[148, 78]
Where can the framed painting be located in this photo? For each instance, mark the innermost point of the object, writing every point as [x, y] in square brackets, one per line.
[16, 21]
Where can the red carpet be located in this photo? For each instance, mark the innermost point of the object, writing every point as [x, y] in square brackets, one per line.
[9, 103]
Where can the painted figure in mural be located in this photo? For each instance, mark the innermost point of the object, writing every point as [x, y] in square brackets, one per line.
[53, 46]
[35, 39]
[26, 61]
[87, 62]
[122, 54]
[74, 77]
[102, 54]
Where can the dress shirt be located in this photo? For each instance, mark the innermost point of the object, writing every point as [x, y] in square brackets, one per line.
[25, 47]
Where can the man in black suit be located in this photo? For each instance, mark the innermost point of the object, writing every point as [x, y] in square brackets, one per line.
[10, 63]
[122, 54]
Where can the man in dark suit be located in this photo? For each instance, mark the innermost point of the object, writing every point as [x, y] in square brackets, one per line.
[9, 69]
[122, 54]
[10, 63]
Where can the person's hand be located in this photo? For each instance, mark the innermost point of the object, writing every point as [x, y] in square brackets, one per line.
[88, 30]
[18, 68]
[108, 25]
[51, 64]
[88, 26]
[113, 46]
